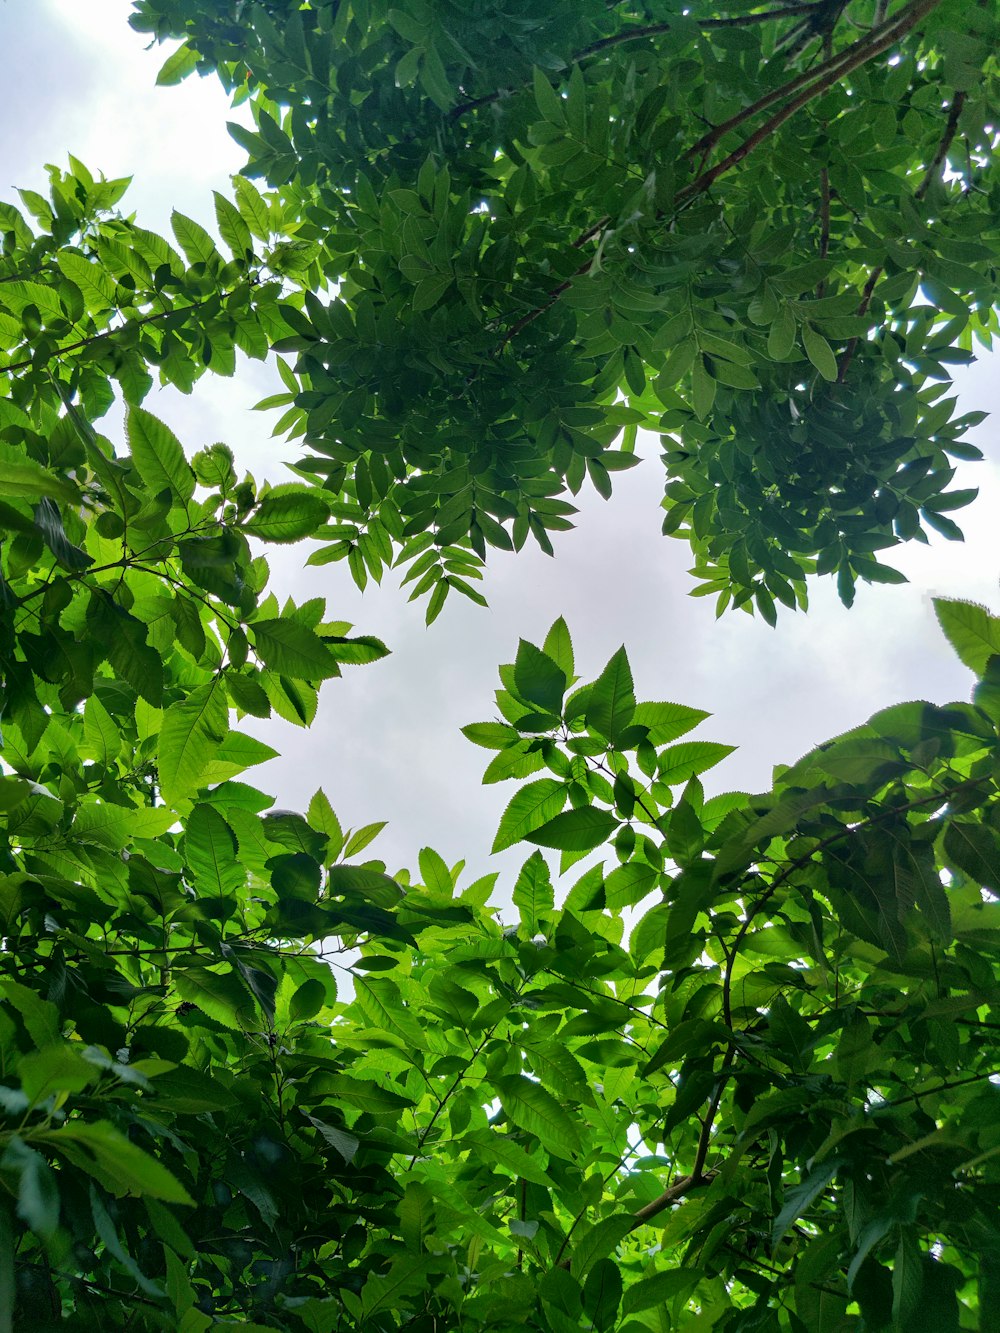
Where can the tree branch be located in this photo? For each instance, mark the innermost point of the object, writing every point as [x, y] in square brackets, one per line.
[671, 1195]
[817, 81]
[823, 78]
[826, 74]
[111, 333]
[652, 30]
[846, 831]
[947, 138]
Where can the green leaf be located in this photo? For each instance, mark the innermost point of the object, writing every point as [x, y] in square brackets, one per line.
[194, 240]
[219, 995]
[538, 679]
[627, 885]
[781, 337]
[96, 284]
[654, 1292]
[667, 721]
[576, 830]
[294, 650]
[50, 524]
[253, 208]
[362, 1095]
[178, 65]
[307, 1001]
[115, 826]
[187, 1091]
[434, 871]
[190, 735]
[533, 895]
[23, 478]
[797, 1200]
[37, 1190]
[598, 1241]
[359, 651]
[677, 763]
[703, 389]
[287, 517]
[975, 849]
[115, 1162]
[492, 1147]
[971, 630]
[55, 1069]
[158, 455]
[529, 1106]
[611, 704]
[232, 228]
[211, 852]
[345, 1144]
[602, 1295]
[559, 647]
[533, 806]
[548, 101]
[491, 735]
[819, 352]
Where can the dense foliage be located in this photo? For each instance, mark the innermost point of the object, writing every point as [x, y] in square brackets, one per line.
[767, 233]
[741, 1075]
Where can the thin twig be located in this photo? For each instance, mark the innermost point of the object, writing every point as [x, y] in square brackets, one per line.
[111, 333]
[817, 81]
[827, 73]
[950, 130]
[648, 30]
[846, 831]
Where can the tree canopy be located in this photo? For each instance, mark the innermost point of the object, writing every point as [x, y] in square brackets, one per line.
[742, 1074]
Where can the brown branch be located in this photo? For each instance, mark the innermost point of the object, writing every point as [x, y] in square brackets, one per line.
[818, 81]
[941, 1087]
[831, 72]
[699, 1176]
[824, 188]
[950, 130]
[111, 333]
[650, 30]
[824, 220]
[866, 296]
[831, 66]
[671, 1195]
[935, 797]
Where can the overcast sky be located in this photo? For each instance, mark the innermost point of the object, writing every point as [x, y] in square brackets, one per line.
[386, 743]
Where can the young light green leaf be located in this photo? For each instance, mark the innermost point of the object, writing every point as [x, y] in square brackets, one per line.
[190, 734]
[533, 806]
[158, 455]
[611, 704]
[294, 650]
[971, 630]
[575, 830]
